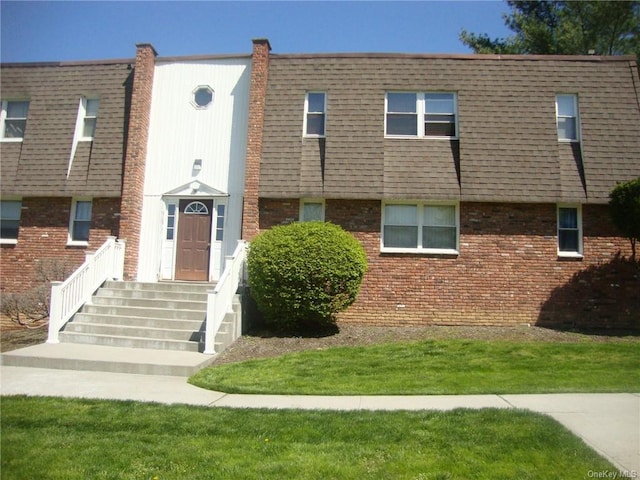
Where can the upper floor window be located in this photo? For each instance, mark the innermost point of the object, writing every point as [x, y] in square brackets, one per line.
[422, 228]
[14, 119]
[567, 117]
[315, 108]
[569, 231]
[202, 97]
[90, 113]
[311, 210]
[9, 220]
[431, 114]
[80, 223]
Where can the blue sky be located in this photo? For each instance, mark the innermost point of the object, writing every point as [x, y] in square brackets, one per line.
[84, 30]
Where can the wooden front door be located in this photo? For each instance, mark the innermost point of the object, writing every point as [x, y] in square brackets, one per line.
[194, 240]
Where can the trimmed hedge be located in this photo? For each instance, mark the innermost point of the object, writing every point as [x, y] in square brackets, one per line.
[302, 274]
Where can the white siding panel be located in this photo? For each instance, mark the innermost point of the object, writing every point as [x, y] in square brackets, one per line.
[151, 236]
[180, 133]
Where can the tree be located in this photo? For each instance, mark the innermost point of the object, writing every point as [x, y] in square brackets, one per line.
[302, 274]
[565, 27]
[624, 204]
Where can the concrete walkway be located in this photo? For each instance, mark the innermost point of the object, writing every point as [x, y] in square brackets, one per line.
[609, 423]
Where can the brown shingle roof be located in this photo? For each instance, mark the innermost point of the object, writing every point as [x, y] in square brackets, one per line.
[508, 148]
[38, 166]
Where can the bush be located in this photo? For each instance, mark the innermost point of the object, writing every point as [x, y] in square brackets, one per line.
[302, 274]
[624, 204]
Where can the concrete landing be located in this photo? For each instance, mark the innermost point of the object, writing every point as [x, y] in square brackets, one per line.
[143, 361]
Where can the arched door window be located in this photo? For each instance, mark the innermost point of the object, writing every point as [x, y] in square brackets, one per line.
[196, 208]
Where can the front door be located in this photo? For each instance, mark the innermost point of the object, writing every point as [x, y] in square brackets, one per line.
[194, 240]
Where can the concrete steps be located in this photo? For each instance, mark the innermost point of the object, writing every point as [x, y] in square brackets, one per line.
[142, 315]
[133, 327]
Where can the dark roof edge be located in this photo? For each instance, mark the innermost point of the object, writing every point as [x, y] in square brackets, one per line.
[460, 56]
[78, 63]
[191, 58]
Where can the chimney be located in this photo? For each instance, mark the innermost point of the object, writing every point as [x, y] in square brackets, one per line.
[136, 155]
[257, 95]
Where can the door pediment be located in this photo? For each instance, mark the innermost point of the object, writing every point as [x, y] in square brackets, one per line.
[195, 188]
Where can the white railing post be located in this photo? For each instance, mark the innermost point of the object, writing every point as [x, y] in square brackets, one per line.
[209, 333]
[55, 312]
[220, 299]
[69, 296]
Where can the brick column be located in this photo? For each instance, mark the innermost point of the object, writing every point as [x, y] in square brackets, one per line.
[135, 156]
[257, 94]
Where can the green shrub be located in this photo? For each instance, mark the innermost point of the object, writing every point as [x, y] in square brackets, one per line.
[624, 204]
[302, 274]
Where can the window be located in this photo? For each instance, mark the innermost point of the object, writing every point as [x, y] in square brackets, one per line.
[91, 106]
[171, 221]
[431, 114]
[311, 210]
[427, 228]
[402, 116]
[220, 222]
[569, 231]
[9, 220]
[567, 117]
[196, 208]
[202, 97]
[439, 115]
[80, 221]
[14, 119]
[315, 107]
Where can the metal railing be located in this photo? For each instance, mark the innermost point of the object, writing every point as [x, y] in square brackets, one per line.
[67, 297]
[220, 299]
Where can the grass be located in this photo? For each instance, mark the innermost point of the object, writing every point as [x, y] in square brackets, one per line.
[436, 367]
[67, 439]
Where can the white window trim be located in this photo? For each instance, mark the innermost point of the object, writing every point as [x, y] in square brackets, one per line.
[420, 114]
[3, 117]
[12, 241]
[193, 102]
[82, 116]
[576, 109]
[580, 252]
[304, 201]
[307, 112]
[428, 251]
[72, 217]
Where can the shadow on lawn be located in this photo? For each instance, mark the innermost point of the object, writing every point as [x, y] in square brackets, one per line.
[602, 299]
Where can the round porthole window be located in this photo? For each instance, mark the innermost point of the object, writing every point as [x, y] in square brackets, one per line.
[202, 97]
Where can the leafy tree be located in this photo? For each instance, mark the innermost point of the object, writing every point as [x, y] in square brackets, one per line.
[565, 27]
[624, 204]
[302, 274]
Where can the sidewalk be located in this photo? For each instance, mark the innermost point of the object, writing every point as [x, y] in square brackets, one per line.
[609, 423]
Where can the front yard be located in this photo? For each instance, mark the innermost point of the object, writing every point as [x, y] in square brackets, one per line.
[79, 439]
[428, 367]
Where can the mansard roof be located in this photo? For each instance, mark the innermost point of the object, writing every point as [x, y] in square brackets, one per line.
[46, 163]
[507, 149]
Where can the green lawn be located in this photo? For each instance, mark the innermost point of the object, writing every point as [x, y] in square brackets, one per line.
[49, 438]
[437, 367]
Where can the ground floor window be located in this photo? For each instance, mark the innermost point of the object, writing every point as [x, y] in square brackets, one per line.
[569, 230]
[9, 220]
[80, 223]
[420, 227]
[311, 210]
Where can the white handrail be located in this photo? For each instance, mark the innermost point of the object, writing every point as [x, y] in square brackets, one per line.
[67, 297]
[220, 299]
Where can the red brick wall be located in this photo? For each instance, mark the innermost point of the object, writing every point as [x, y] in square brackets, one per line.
[507, 273]
[257, 94]
[136, 156]
[43, 234]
